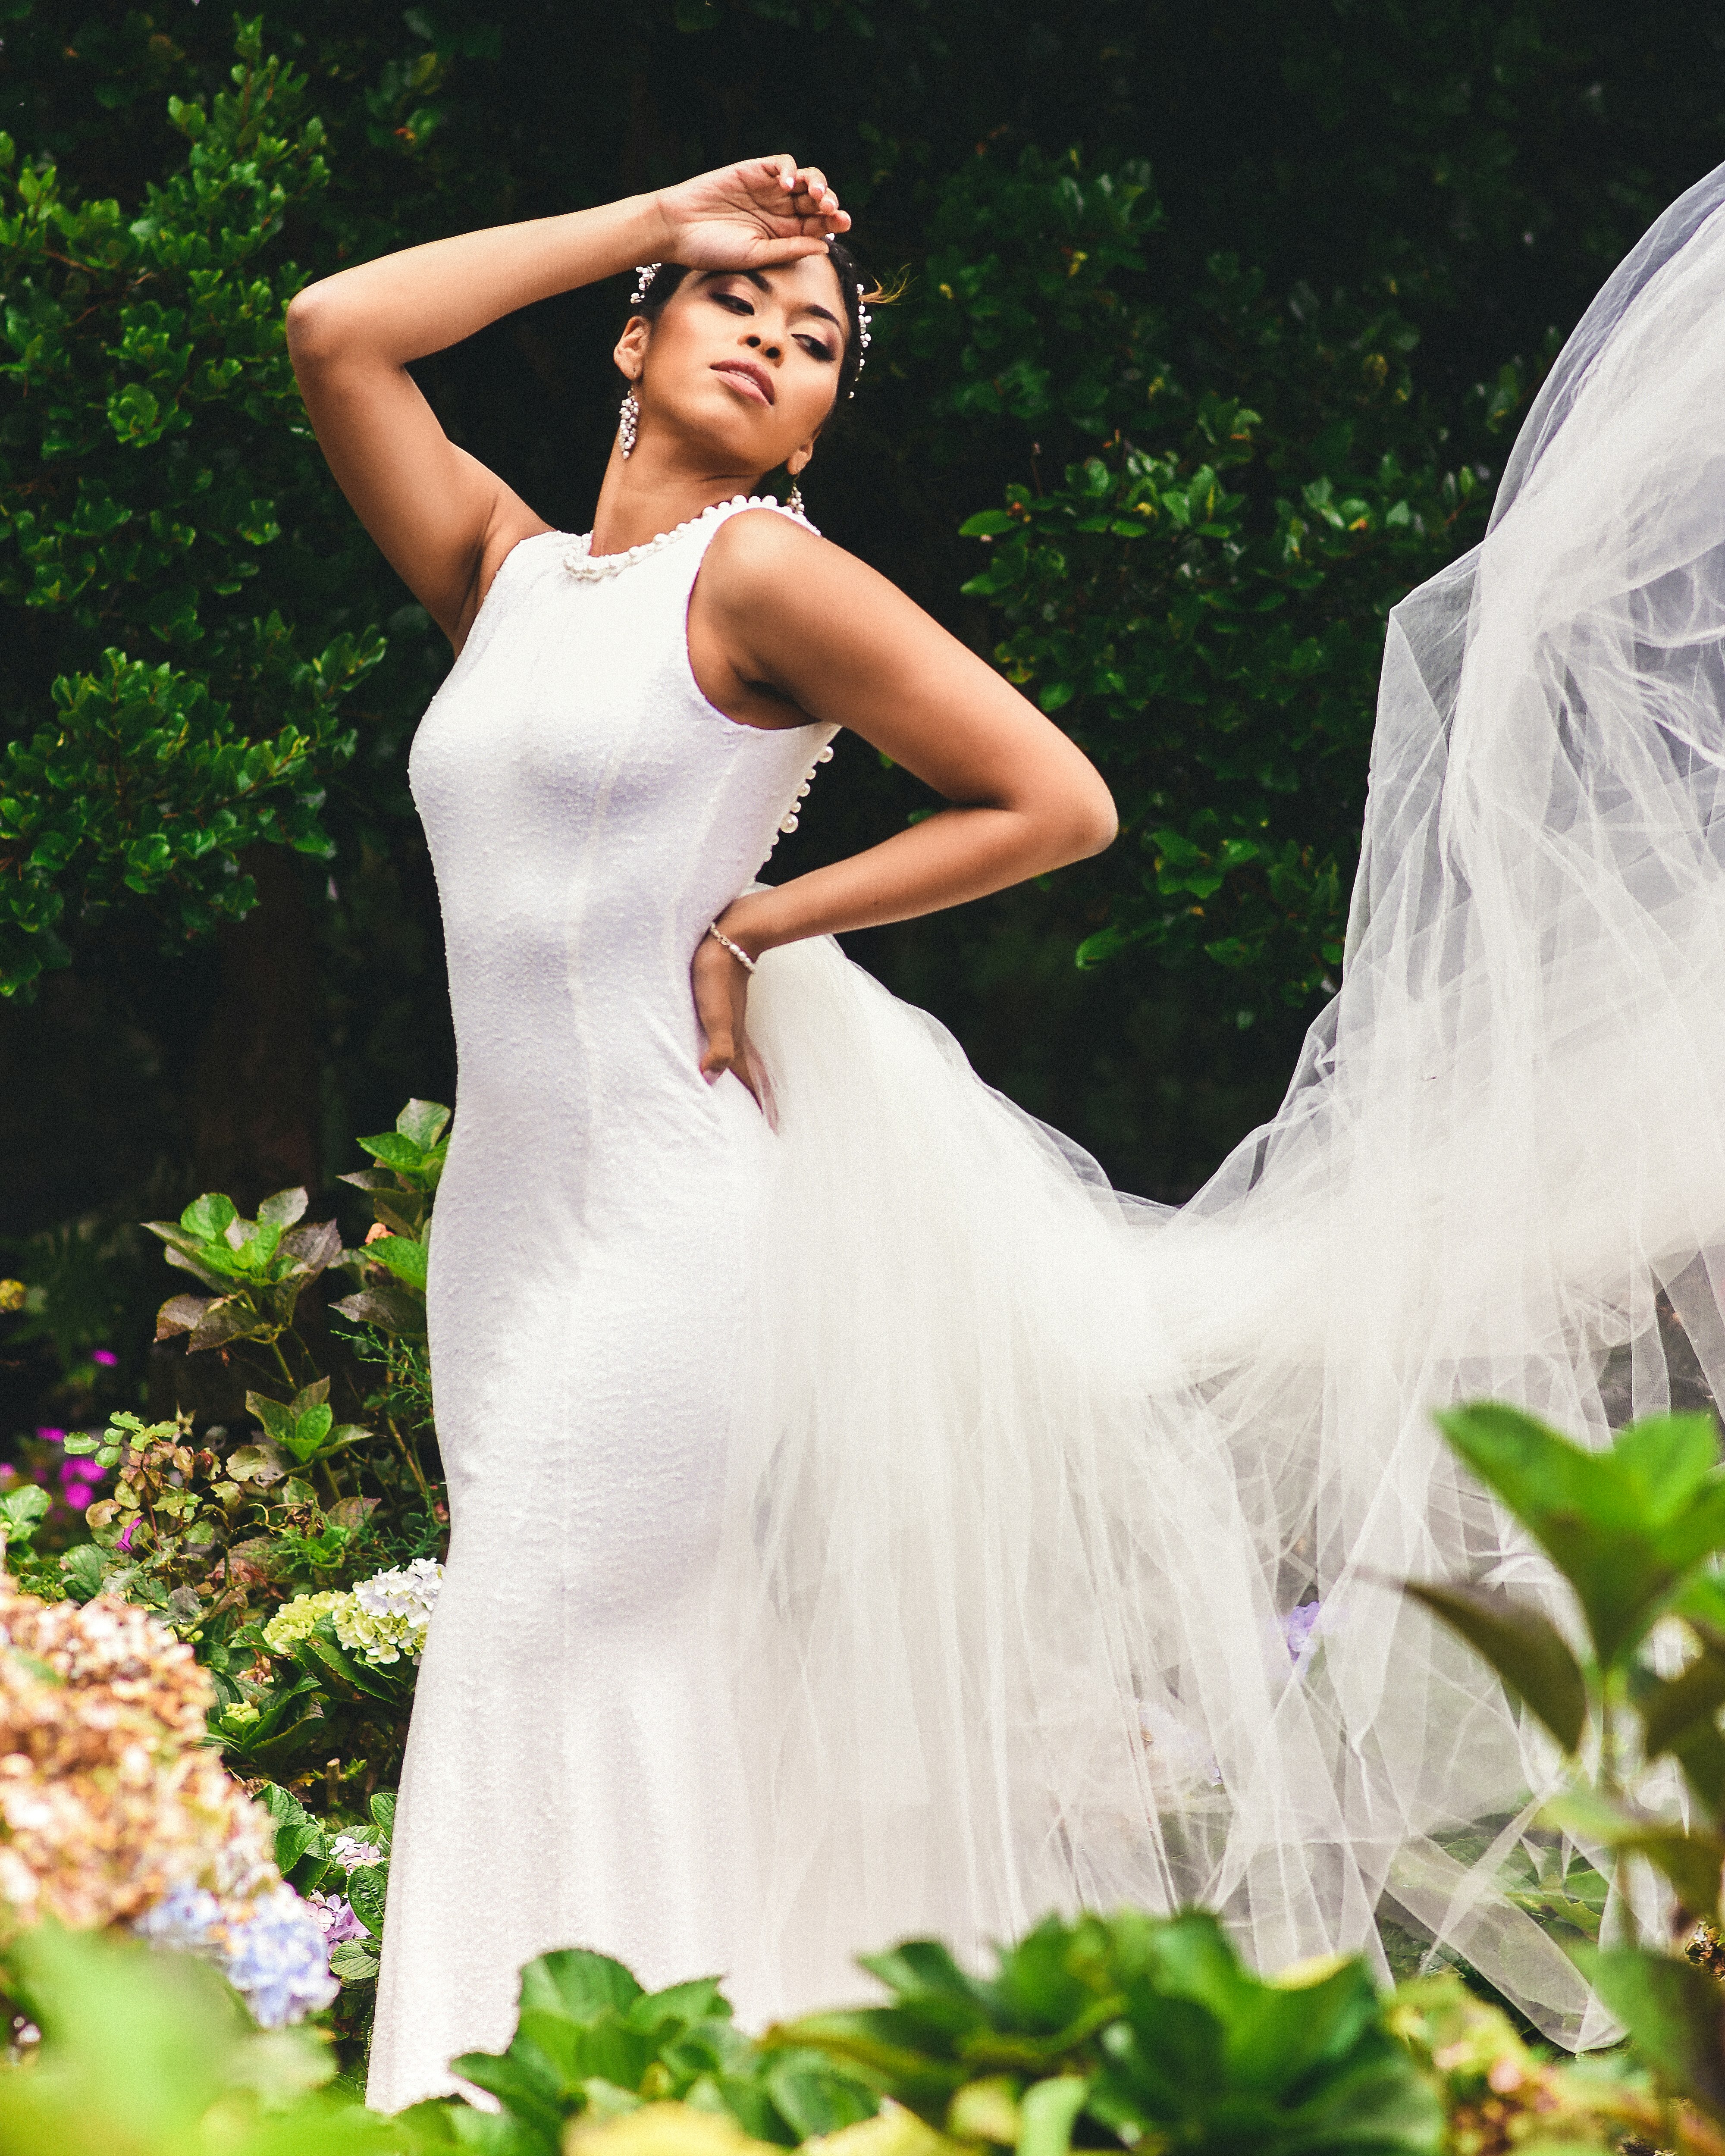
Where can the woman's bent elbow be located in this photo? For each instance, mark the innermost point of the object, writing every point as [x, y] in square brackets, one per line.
[1095, 824]
[313, 328]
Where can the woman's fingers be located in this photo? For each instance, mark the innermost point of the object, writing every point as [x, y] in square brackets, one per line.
[721, 990]
[811, 194]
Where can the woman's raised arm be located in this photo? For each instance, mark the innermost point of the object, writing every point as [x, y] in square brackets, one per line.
[443, 520]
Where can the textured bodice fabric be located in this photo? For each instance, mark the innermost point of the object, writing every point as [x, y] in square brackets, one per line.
[588, 814]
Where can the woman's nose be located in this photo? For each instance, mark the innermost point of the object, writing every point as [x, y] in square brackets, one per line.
[767, 351]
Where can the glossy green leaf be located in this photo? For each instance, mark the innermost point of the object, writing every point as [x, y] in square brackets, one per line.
[1522, 1645]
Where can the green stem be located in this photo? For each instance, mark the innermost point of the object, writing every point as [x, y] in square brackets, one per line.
[410, 1457]
[286, 1368]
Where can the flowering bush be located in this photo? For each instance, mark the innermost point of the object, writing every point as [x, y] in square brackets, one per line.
[109, 1793]
[382, 1618]
[276, 1954]
[387, 1616]
[116, 1809]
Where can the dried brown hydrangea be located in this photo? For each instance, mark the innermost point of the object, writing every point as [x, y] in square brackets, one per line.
[109, 1794]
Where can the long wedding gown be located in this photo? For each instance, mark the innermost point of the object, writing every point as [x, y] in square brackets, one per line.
[864, 1522]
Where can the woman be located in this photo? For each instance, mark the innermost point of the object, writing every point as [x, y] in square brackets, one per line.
[863, 1520]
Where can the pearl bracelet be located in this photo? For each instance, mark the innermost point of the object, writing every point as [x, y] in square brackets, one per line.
[735, 950]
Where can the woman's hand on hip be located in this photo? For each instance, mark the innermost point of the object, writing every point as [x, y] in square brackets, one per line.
[720, 983]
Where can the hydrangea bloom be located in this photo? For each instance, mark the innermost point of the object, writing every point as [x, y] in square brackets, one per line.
[297, 1619]
[334, 1915]
[278, 1962]
[109, 1796]
[350, 1851]
[388, 1616]
[1298, 1626]
[187, 1919]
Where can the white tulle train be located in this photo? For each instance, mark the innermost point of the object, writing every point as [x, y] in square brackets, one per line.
[1033, 1487]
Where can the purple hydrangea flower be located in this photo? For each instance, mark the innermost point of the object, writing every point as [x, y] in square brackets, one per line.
[1297, 1628]
[333, 1915]
[187, 1920]
[278, 1961]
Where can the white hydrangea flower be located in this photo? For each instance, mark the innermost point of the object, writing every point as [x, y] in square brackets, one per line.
[350, 1851]
[388, 1616]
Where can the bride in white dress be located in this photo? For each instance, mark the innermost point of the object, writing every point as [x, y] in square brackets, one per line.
[864, 1521]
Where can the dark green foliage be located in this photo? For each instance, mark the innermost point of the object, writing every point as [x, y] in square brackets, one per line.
[153, 2055]
[1636, 1530]
[590, 2038]
[149, 429]
[1201, 600]
[1626, 1527]
[1132, 2029]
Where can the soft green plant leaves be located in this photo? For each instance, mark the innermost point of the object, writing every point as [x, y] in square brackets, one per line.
[389, 1306]
[402, 1153]
[284, 1208]
[811, 2098]
[579, 1985]
[1672, 2011]
[22, 1511]
[1670, 1709]
[1143, 2029]
[986, 2110]
[1048, 2113]
[368, 1885]
[208, 1217]
[1690, 1860]
[147, 2052]
[1522, 1645]
[1624, 1527]
[424, 1122]
[407, 1260]
[589, 2038]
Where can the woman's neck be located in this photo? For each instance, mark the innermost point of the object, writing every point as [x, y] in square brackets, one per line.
[637, 505]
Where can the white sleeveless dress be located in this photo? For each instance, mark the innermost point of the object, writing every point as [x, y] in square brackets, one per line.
[571, 1775]
[864, 1522]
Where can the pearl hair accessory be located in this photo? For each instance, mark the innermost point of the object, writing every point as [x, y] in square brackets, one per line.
[588, 567]
[645, 274]
[736, 951]
[864, 322]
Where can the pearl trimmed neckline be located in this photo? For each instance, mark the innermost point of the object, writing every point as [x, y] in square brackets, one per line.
[588, 567]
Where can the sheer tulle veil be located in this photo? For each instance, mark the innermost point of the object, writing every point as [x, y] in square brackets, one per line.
[1028, 1478]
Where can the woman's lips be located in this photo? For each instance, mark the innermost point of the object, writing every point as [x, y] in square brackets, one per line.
[753, 380]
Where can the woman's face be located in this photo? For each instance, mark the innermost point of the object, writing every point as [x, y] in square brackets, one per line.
[746, 360]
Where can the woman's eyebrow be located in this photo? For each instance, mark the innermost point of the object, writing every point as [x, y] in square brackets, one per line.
[761, 284]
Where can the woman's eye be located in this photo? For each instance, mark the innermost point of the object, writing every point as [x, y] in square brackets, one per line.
[735, 302]
[816, 350]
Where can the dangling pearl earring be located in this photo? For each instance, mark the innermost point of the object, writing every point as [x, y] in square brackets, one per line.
[795, 504]
[628, 417]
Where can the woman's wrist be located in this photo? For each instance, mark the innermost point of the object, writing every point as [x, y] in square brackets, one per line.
[754, 921]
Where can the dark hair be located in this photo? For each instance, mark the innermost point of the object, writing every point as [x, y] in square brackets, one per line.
[853, 288]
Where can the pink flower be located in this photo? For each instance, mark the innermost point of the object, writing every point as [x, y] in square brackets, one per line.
[78, 1479]
[131, 1528]
[105, 1356]
[48, 1435]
